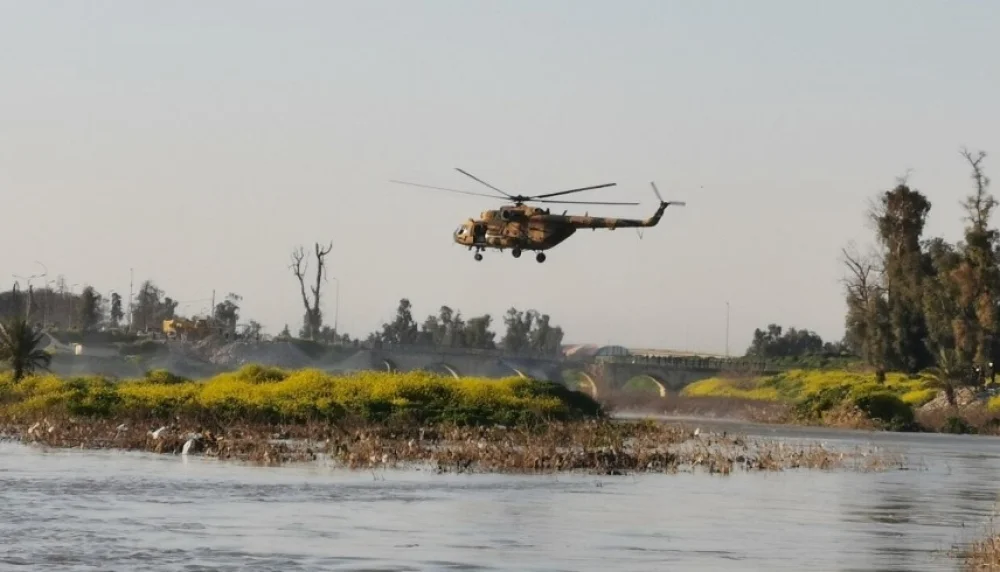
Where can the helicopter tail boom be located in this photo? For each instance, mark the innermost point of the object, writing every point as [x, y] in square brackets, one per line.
[612, 223]
[655, 219]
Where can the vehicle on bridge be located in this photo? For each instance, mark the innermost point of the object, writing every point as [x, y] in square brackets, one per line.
[518, 227]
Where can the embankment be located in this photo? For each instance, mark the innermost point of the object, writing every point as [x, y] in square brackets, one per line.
[835, 398]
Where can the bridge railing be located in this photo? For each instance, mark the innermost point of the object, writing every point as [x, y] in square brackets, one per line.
[458, 351]
[691, 362]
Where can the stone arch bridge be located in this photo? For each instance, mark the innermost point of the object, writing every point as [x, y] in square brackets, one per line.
[458, 362]
[667, 373]
[599, 374]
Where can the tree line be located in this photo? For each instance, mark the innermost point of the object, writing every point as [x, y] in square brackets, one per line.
[526, 331]
[917, 302]
[60, 309]
[914, 302]
[776, 342]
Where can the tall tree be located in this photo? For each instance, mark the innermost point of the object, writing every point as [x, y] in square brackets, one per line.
[254, 329]
[152, 307]
[545, 338]
[477, 334]
[116, 314]
[445, 329]
[227, 312]
[900, 216]
[941, 303]
[977, 275]
[403, 329]
[313, 319]
[516, 339]
[89, 314]
[776, 342]
[867, 323]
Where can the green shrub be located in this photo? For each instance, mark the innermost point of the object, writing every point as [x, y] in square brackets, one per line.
[885, 407]
[164, 376]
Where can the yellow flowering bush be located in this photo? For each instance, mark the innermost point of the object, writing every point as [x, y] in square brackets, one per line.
[815, 392]
[256, 393]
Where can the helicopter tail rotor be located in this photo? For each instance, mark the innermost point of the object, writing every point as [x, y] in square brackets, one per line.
[664, 203]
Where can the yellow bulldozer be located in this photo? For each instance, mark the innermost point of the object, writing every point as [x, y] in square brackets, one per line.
[190, 329]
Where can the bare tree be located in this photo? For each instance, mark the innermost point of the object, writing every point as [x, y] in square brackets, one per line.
[981, 204]
[865, 303]
[300, 265]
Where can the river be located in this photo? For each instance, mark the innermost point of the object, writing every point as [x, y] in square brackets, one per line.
[105, 510]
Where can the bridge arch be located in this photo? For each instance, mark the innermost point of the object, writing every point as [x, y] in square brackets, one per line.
[589, 380]
[661, 387]
[442, 367]
[513, 368]
[389, 365]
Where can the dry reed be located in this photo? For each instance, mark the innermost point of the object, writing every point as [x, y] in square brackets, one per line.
[599, 446]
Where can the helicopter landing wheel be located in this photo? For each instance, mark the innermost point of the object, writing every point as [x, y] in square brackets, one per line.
[516, 253]
[478, 256]
[540, 257]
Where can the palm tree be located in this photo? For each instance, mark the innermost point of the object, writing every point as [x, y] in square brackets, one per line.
[947, 375]
[19, 348]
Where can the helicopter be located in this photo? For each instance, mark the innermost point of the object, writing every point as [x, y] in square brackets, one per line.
[519, 227]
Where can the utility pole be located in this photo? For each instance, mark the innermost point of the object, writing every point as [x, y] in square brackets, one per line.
[336, 310]
[131, 280]
[45, 293]
[727, 328]
[211, 309]
[13, 297]
[72, 304]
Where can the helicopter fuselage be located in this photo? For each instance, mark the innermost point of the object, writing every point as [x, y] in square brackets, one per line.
[513, 227]
[518, 227]
[523, 227]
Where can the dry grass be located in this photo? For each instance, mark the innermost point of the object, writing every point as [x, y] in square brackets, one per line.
[984, 554]
[972, 418]
[599, 446]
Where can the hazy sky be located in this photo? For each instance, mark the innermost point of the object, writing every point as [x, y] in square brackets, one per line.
[200, 142]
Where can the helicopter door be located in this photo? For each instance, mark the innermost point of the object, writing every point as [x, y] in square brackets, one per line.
[478, 233]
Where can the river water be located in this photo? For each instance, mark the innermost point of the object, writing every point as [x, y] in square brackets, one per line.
[86, 510]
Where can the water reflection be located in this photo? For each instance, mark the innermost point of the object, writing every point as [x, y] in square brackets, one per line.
[67, 510]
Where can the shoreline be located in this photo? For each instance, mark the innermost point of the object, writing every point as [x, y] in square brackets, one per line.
[603, 447]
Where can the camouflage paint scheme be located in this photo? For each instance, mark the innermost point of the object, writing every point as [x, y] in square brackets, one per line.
[524, 227]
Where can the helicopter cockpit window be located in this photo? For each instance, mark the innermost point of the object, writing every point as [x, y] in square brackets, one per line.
[460, 231]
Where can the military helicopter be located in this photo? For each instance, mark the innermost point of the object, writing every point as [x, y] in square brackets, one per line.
[518, 227]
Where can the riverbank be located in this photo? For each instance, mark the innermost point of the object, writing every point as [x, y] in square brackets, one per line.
[829, 398]
[370, 420]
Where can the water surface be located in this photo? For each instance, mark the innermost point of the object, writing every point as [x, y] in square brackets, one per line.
[87, 510]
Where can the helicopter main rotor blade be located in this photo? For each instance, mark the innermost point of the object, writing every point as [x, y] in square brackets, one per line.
[579, 202]
[475, 178]
[450, 190]
[575, 190]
